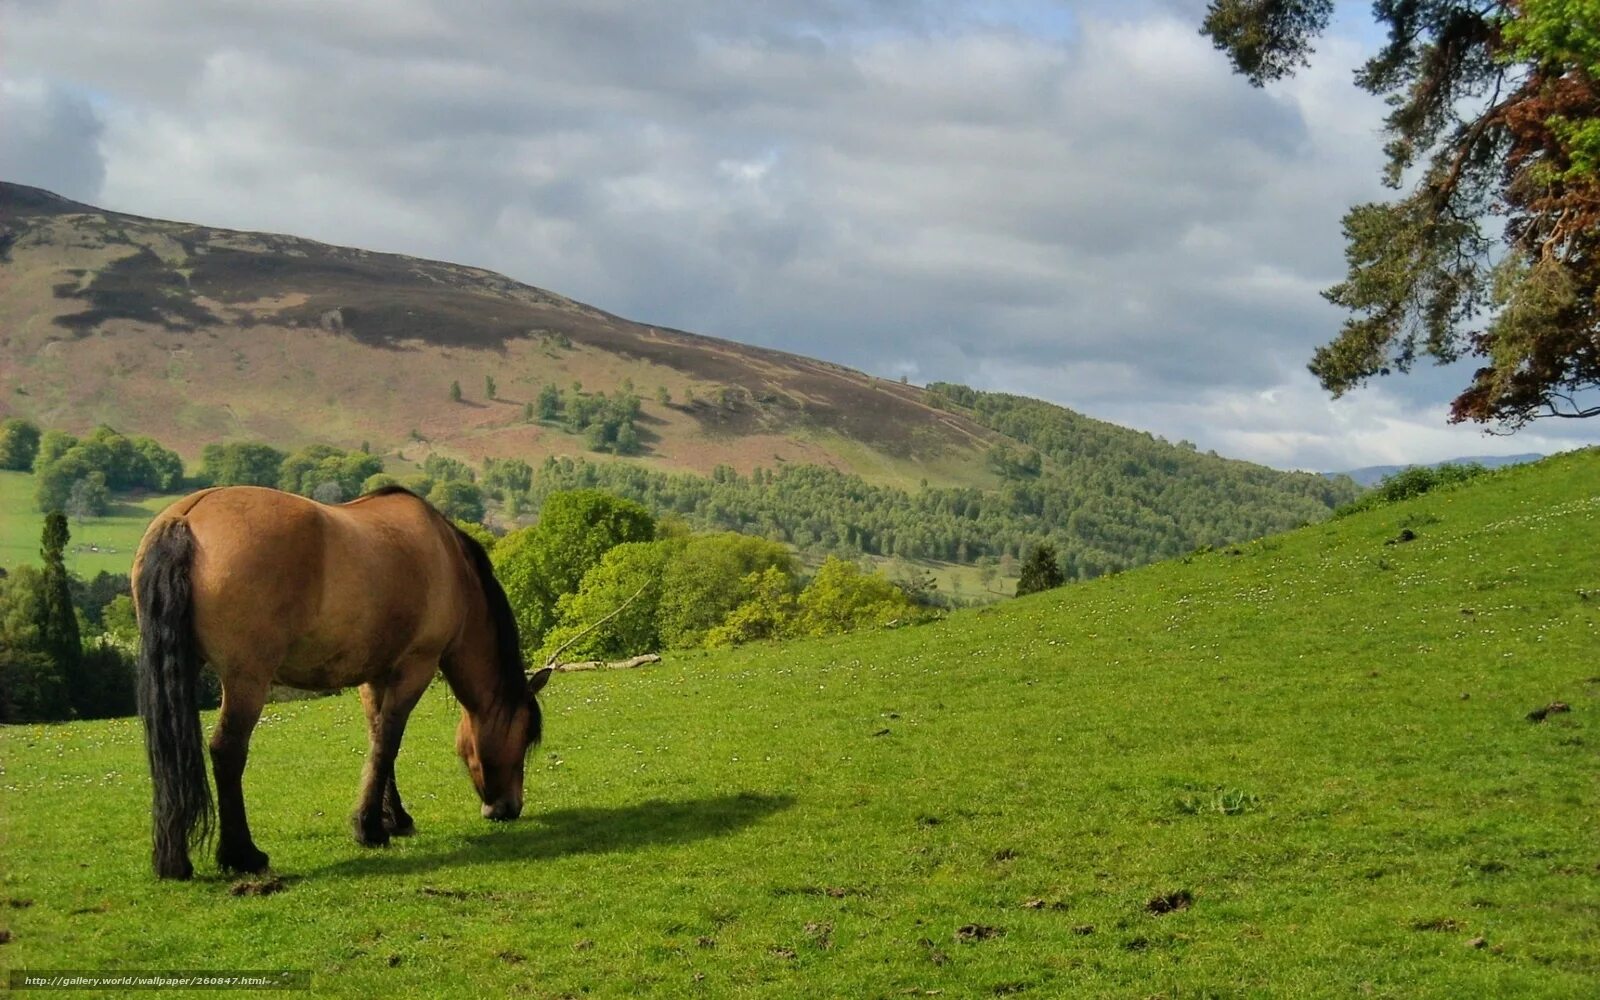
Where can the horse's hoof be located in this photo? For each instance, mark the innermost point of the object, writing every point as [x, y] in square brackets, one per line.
[246, 861]
[370, 835]
[179, 872]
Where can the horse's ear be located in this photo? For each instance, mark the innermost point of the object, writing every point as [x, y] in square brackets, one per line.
[538, 679]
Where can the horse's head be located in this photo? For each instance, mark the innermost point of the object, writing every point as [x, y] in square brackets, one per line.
[494, 746]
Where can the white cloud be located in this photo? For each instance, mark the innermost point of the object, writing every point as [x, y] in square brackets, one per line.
[1078, 202]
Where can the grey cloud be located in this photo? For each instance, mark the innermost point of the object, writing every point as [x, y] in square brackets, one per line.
[50, 139]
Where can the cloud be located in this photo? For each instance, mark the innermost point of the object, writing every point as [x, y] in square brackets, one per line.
[50, 138]
[1077, 201]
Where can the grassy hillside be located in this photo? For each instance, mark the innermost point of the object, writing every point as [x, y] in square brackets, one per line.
[1301, 767]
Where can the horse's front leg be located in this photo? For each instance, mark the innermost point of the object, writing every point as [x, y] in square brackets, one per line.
[242, 698]
[387, 710]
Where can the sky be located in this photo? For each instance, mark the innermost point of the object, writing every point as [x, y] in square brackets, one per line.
[1074, 200]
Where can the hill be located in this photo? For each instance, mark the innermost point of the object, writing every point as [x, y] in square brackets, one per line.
[1304, 767]
[195, 335]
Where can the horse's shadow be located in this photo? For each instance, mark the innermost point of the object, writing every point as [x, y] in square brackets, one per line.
[562, 832]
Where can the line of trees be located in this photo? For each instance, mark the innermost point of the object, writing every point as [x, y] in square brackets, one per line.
[67, 645]
[79, 475]
[1101, 517]
[593, 553]
[607, 423]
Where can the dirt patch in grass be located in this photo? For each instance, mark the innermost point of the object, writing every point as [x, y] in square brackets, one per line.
[1437, 925]
[969, 933]
[1170, 902]
[258, 886]
[1554, 708]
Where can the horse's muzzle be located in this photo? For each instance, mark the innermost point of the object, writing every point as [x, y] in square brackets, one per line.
[503, 810]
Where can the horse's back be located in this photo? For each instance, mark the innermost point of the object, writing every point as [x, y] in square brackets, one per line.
[324, 596]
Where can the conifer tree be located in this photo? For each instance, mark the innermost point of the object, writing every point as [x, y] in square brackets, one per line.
[1042, 571]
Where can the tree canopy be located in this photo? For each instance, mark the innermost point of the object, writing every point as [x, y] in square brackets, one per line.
[537, 565]
[1493, 250]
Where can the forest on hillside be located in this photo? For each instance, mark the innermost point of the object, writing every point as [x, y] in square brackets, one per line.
[1106, 497]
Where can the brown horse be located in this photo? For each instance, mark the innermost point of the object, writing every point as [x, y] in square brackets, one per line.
[267, 587]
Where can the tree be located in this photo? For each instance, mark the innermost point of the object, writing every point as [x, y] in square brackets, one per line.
[506, 476]
[539, 564]
[88, 497]
[549, 402]
[841, 597]
[163, 468]
[1495, 113]
[31, 686]
[108, 674]
[457, 500]
[19, 443]
[58, 621]
[455, 391]
[708, 577]
[119, 621]
[769, 613]
[316, 464]
[92, 596]
[630, 571]
[242, 463]
[53, 481]
[328, 491]
[442, 467]
[1041, 571]
[627, 442]
[483, 536]
[52, 445]
[488, 386]
[377, 481]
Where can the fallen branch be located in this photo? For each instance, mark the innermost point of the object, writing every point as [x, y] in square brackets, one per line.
[637, 661]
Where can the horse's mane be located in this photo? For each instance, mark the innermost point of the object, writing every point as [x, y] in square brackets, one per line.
[511, 683]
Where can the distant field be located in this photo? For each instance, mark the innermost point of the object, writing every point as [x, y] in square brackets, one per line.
[101, 543]
[1299, 767]
[954, 579]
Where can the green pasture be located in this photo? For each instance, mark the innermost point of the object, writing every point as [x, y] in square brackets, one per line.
[98, 543]
[1299, 767]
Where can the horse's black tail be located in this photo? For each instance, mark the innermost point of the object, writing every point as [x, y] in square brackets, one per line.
[169, 669]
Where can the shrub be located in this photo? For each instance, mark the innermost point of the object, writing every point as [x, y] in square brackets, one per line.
[1412, 482]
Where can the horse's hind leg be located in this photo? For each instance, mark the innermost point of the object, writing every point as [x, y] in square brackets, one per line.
[387, 709]
[395, 818]
[242, 698]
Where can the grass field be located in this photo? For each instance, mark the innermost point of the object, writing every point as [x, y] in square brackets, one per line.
[99, 543]
[1302, 767]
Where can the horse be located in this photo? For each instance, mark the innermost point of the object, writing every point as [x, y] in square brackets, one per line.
[265, 586]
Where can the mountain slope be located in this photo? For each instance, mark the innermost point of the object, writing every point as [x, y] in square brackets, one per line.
[1302, 770]
[195, 334]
